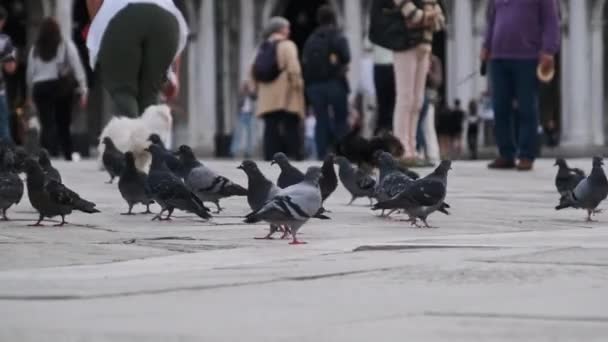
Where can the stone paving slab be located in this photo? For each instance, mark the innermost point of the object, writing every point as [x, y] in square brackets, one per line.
[503, 267]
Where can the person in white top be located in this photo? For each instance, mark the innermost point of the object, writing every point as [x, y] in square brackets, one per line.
[55, 74]
[136, 44]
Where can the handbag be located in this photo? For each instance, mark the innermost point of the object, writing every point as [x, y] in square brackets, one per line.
[67, 82]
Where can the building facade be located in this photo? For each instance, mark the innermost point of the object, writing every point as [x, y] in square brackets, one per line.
[224, 34]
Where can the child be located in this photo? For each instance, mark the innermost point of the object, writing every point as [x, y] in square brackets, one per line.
[245, 125]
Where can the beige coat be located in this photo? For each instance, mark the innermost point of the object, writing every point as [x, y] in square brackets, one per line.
[287, 91]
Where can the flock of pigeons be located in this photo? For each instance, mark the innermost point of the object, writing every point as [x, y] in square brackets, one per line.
[177, 180]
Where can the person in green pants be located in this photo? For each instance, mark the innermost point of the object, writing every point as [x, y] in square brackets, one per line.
[136, 47]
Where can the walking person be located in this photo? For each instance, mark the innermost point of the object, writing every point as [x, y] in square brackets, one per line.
[473, 122]
[384, 82]
[8, 63]
[277, 76]
[520, 36]
[55, 76]
[137, 46]
[325, 62]
[456, 121]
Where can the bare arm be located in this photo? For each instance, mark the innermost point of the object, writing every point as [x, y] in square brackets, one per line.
[93, 7]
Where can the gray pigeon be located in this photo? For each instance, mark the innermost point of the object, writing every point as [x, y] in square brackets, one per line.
[259, 191]
[391, 180]
[173, 163]
[358, 182]
[329, 180]
[113, 159]
[132, 185]
[206, 184]
[567, 178]
[292, 206]
[51, 198]
[290, 175]
[11, 186]
[421, 197]
[589, 193]
[398, 165]
[169, 191]
[48, 169]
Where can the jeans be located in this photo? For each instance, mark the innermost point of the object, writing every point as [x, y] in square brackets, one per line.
[5, 126]
[55, 113]
[244, 129]
[329, 98]
[515, 130]
[420, 138]
[281, 134]
[384, 82]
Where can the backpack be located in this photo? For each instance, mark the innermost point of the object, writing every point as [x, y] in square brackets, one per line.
[387, 26]
[266, 65]
[317, 65]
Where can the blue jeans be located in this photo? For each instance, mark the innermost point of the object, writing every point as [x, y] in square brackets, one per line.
[325, 98]
[5, 125]
[244, 129]
[420, 138]
[515, 80]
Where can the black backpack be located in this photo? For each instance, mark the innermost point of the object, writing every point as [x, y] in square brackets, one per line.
[387, 26]
[266, 65]
[316, 56]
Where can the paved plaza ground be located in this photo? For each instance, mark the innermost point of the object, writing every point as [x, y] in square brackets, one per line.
[503, 267]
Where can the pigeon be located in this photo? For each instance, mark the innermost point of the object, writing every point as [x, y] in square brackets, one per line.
[567, 178]
[173, 163]
[206, 184]
[589, 193]
[132, 185]
[51, 198]
[289, 174]
[421, 197]
[392, 180]
[48, 169]
[169, 191]
[259, 191]
[113, 159]
[396, 164]
[292, 206]
[329, 180]
[11, 186]
[357, 182]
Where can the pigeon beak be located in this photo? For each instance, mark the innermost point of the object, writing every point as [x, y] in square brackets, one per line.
[273, 162]
[240, 167]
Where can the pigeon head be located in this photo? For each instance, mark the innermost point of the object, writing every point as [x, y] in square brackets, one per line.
[130, 159]
[7, 160]
[598, 161]
[247, 166]
[313, 174]
[107, 141]
[386, 160]
[330, 158]
[376, 155]
[31, 166]
[279, 158]
[43, 158]
[154, 149]
[20, 157]
[185, 152]
[444, 167]
[561, 162]
[155, 139]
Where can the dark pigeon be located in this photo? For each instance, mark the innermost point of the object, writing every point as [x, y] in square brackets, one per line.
[397, 165]
[11, 186]
[358, 182]
[113, 159]
[567, 178]
[48, 169]
[169, 191]
[421, 197]
[290, 175]
[589, 193]
[329, 180]
[132, 185]
[292, 206]
[259, 191]
[206, 184]
[173, 163]
[51, 198]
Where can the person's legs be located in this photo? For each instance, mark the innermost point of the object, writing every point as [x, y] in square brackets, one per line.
[159, 49]
[45, 105]
[431, 143]
[338, 102]
[406, 64]
[526, 92]
[237, 133]
[318, 99]
[248, 129]
[63, 119]
[272, 137]
[5, 126]
[423, 55]
[292, 140]
[420, 137]
[384, 81]
[502, 101]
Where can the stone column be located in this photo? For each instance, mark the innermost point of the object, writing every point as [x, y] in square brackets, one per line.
[353, 30]
[579, 110]
[63, 13]
[247, 36]
[461, 58]
[597, 72]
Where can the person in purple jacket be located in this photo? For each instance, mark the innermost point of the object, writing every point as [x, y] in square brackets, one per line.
[521, 36]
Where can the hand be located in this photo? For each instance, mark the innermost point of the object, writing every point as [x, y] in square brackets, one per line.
[484, 55]
[84, 101]
[10, 67]
[546, 62]
[171, 90]
[429, 18]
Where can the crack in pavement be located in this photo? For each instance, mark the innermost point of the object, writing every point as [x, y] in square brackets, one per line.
[368, 248]
[492, 315]
[192, 288]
